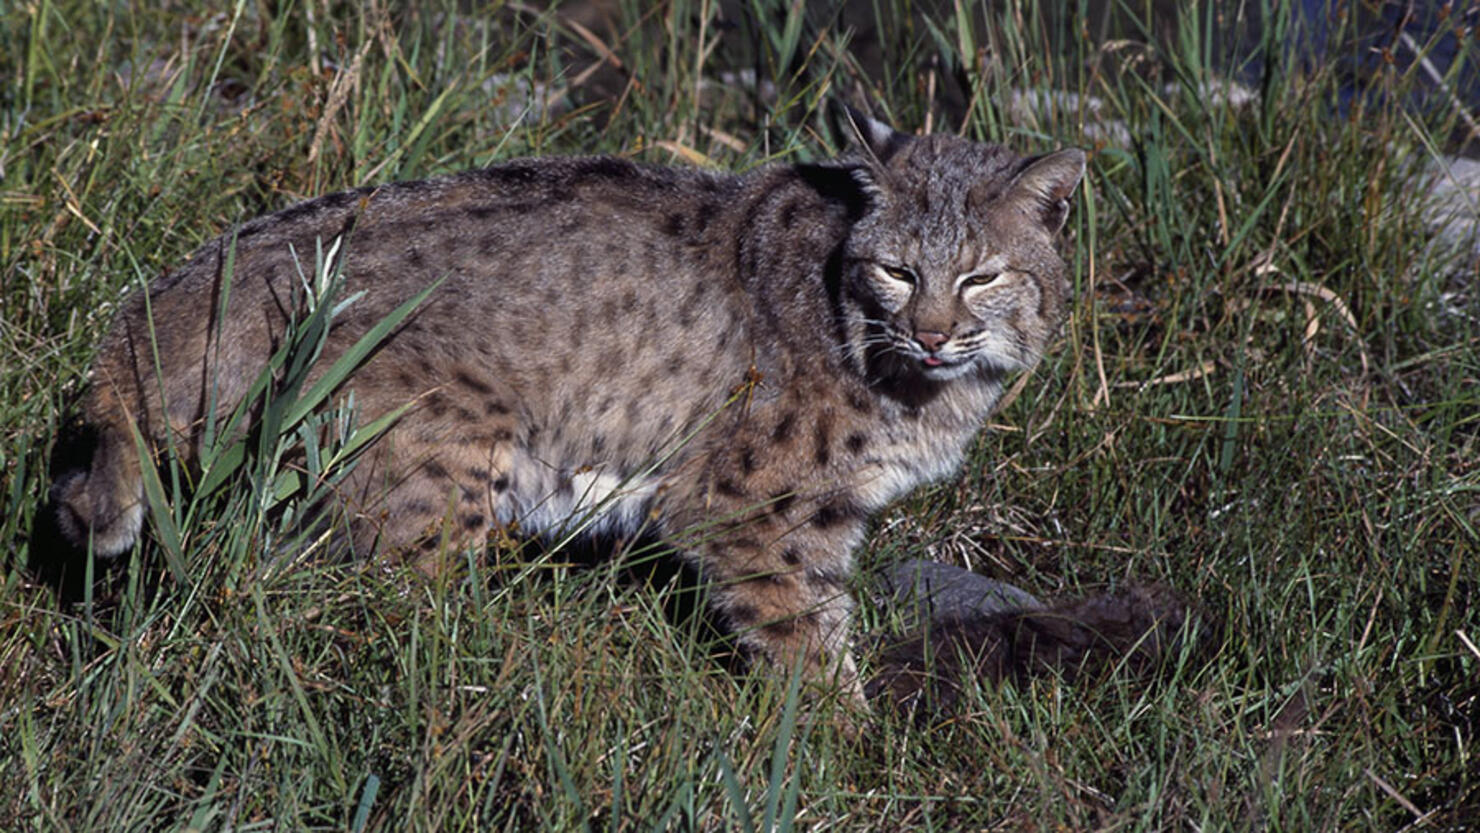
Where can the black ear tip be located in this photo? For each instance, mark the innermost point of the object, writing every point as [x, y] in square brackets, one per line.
[875, 139]
[855, 115]
[849, 121]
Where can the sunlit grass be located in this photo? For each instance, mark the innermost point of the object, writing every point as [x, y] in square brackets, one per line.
[1266, 398]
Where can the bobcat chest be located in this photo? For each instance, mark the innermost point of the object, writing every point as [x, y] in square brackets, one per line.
[919, 446]
[902, 466]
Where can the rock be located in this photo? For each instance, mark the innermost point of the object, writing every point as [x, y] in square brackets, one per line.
[923, 589]
[1450, 188]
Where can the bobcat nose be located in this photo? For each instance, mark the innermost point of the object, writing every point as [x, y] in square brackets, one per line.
[930, 339]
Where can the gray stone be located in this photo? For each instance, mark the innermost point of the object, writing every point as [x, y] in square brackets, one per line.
[1450, 187]
[928, 589]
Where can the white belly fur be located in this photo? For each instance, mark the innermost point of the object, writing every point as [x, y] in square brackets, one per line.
[595, 502]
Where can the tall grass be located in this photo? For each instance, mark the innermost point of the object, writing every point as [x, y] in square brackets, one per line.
[1266, 398]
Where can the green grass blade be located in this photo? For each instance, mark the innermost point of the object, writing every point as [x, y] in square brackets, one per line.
[738, 805]
[165, 528]
[777, 787]
[366, 802]
[351, 359]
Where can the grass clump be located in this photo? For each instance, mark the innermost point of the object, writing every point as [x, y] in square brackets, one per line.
[1266, 398]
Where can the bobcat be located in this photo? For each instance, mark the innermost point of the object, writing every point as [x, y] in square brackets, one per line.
[746, 365]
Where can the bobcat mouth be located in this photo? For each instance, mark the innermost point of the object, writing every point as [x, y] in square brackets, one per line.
[909, 357]
[940, 367]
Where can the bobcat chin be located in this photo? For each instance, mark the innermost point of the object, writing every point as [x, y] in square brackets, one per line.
[748, 365]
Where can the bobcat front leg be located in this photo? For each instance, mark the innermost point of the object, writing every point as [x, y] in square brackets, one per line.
[778, 575]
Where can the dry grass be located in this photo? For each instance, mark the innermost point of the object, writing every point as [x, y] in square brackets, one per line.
[1267, 399]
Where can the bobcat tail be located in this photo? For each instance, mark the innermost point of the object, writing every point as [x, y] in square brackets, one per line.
[99, 505]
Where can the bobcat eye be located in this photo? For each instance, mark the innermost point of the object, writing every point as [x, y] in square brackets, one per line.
[899, 273]
[981, 279]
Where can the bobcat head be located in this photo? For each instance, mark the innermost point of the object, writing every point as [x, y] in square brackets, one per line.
[953, 270]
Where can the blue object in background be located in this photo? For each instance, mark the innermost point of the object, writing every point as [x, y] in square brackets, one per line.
[1438, 42]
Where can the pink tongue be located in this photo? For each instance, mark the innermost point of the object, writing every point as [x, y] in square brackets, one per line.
[931, 361]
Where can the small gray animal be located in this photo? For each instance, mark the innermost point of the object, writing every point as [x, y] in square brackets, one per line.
[746, 365]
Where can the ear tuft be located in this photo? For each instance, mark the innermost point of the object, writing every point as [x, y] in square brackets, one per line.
[1046, 183]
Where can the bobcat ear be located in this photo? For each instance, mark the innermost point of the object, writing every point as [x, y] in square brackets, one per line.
[1046, 183]
[873, 138]
[875, 141]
